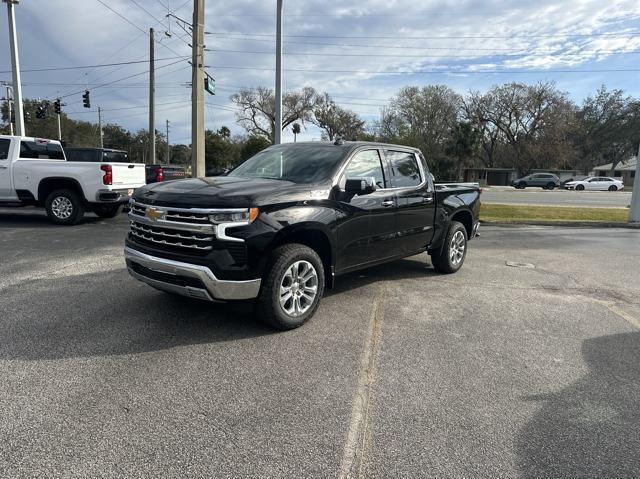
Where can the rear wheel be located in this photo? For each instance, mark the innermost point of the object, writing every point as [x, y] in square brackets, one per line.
[580, 187]
[107, 211]
[292, 287]
[613, 188]
[451, 257]
[64, 207]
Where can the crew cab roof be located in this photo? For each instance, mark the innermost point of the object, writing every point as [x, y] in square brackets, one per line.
[349, 145]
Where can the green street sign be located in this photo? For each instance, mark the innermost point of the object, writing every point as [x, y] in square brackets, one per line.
[210, 85]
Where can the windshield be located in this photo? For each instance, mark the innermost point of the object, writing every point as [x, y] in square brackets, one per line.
[295, 163]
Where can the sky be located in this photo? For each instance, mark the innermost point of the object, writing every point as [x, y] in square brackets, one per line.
[360, 52]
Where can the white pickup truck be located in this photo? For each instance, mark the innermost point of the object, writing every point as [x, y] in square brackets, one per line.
[34, 171]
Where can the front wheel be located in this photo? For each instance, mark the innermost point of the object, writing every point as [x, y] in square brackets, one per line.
[64, 207]
[451, 257]
[551, 186]
[521, 186]
[292, 287]
[107, 211]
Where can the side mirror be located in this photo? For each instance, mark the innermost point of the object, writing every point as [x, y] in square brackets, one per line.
[360, 185]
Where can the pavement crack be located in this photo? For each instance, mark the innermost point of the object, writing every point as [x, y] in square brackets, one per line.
[357, 446]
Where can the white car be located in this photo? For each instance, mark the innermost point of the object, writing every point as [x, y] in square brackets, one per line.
[595, 183]
[35, 171]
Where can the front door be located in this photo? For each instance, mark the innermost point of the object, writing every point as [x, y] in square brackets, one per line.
[415, 198]
[6, 189]
[367, 231]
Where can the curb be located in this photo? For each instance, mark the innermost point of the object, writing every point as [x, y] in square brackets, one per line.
[574, 224]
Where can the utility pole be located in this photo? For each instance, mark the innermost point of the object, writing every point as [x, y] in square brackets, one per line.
[59, 127]
[168, 145]
[278, 125]
[15, 68]
[100, 126]
[197, 92]
[9, 110]
[634, 213]
[152, 100]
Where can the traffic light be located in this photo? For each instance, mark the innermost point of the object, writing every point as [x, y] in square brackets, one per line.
[86, 101]
[41, 111]
[56, 106]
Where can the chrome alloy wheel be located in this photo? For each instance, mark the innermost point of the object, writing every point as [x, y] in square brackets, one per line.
[62, 207]
[298, 288]
[456, 248]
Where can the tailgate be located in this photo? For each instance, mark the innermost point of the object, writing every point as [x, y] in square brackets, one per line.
[128, 175]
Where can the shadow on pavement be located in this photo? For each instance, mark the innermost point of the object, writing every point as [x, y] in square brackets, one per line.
[591, 428]
[109, 313]
[32, 217]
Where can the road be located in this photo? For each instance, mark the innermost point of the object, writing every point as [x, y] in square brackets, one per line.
[538, 196]
[495, 371]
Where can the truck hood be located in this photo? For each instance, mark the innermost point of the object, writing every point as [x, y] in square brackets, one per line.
[224, 192]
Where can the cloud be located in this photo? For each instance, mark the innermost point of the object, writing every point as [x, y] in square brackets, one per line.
[354, 50]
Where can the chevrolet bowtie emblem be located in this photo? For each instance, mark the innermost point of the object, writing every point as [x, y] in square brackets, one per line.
[154, 214]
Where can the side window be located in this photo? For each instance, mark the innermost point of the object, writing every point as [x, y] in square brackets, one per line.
[594, 180]
[41, 150]
[365, 163]
[404, 168]
[4, 149]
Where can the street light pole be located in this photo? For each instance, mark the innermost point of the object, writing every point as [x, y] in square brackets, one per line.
[278, 122]
[9, 110]
[15, 68]
[634, 213]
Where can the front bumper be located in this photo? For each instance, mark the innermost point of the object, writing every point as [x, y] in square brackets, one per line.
[187, 279]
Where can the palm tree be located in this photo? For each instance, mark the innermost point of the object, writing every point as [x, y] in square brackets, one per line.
[296, 131]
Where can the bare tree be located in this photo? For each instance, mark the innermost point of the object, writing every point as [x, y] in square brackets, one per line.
[532, 118]
[336, 121]
[258, 115]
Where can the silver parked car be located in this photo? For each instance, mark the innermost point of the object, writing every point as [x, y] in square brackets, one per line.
[547, 181]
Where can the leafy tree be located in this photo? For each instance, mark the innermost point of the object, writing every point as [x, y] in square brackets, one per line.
[220, 152]
[424, 118]
[252, 145]
[257, 105]
[463, 146]
[296, 131]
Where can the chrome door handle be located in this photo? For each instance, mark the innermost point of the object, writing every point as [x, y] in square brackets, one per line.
[3, 167]
[427, 199]
[387, 203]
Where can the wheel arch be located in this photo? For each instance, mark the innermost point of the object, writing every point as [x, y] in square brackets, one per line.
[316, 236]
[49, 184]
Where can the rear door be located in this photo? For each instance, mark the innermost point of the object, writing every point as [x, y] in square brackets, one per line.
[415, 200]
[367, 233]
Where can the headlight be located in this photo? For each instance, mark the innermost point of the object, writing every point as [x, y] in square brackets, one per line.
[245, 216]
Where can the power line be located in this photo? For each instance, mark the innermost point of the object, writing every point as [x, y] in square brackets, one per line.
[411, 72]
[340, 54]
[460, 37]
[146, 11]
[123, 17]
[133, 62]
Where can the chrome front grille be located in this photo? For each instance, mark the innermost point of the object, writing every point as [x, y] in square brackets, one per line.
[177, 215]
[169, 237]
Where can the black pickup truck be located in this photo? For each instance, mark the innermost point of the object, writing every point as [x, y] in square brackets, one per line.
[283, 225]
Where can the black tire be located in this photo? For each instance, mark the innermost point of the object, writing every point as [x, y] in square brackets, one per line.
[551, 186]
[442, 260]
[64, 207]
[613, 188]
[522, 185]
[267, 307]
[107, 211]
[580, 188]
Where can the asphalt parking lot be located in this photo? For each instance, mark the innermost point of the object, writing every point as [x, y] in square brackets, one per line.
[529, 371]
[557, 197]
